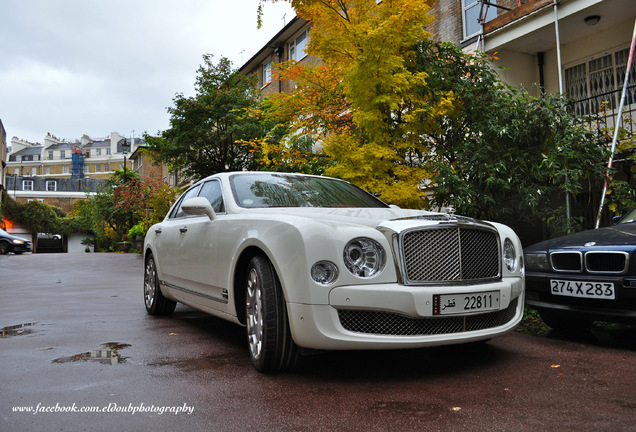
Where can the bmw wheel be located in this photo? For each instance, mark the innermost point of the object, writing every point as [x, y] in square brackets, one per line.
[156, 303]
[270, 343]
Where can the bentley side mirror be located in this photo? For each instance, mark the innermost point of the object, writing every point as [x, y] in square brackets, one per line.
[198, 206]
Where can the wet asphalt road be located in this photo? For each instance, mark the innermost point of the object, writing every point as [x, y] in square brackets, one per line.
[77, 338]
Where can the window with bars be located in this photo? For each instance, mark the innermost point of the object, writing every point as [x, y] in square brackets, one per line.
[596, 84]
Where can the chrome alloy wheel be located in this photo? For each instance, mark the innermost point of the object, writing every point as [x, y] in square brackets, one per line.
[150, 283]
[254, 312]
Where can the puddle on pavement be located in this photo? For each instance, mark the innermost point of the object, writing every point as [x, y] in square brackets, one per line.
[107, 354]
[16, 330]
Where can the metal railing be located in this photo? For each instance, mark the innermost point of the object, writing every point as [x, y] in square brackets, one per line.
[602, 111]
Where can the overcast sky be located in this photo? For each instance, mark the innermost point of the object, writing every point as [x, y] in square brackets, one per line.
[74, 67]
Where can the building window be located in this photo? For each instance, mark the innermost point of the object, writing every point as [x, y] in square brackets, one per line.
[34, 171]
[65, 169]
[267, 72]
[16, 171]
[50, 155]
[297, 47]
[596, 84]
[62, 154]
[98, 168]
[98, 152]
[51, 186]
[476, 13]
[106, 167]
[139, 161]
[47, 170]
[27, 185]
[108, 151]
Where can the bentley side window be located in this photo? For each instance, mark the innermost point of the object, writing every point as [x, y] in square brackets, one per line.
[212, 191]
[177, 212]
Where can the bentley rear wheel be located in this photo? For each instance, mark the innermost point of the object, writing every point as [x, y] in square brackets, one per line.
[269, 339]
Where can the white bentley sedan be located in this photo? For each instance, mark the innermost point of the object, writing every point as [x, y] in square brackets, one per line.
[308, 262]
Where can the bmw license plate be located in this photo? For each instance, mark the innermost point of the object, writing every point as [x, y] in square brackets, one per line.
[448, 304]
[602, 290]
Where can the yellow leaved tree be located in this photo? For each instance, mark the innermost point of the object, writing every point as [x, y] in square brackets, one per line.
[367, 112]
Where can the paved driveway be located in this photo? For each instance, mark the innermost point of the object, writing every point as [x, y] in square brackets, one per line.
[80, 353]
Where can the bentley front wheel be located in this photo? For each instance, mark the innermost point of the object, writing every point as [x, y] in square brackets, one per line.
[269, 339]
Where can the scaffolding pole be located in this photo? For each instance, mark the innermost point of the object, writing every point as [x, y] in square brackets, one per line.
[617, 125]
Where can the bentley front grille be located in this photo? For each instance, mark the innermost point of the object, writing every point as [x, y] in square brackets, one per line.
[450, 254]
[385, 323]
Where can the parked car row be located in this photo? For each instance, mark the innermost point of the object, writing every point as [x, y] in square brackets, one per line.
[313, 263]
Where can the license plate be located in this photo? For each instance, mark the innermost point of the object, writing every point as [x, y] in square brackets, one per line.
[449, 304]
[602, 290]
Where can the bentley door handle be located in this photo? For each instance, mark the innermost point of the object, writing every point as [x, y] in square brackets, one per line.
[158, 231]
[183, 230]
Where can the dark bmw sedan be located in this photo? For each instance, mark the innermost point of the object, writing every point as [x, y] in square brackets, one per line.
[589, 276]
[11, 243]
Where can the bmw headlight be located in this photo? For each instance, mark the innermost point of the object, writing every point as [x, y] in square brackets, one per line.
[16, 241]
[364, 257]
[537, 262]
[510, 255]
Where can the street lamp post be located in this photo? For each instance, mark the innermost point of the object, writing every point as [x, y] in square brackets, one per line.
[124, 149]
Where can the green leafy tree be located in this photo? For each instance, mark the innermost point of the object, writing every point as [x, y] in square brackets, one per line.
[504, 154]
[206, 129]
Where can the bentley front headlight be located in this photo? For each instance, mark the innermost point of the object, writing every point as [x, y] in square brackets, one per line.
[510, 255]
[364, 257]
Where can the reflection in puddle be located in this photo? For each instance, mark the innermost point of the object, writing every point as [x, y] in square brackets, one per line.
[107, 354]
[16, 330]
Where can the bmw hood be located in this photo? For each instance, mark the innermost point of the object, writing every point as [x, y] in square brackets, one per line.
[618, 235]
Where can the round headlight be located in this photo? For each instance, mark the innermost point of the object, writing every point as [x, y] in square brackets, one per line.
[510, 255]
[364, 257]
[324, 272]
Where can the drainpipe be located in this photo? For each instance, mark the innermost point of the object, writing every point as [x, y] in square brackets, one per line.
[560, 71]
[558, 45]
[541, 64]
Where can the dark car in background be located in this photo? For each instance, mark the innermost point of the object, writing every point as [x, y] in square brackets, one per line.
[11, 243]
[584, 277]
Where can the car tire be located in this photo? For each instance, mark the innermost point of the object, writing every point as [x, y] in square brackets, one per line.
[269, 339]
[565, 323]
[156, 303]
[4, 248]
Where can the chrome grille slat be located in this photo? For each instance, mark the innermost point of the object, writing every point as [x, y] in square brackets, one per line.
[449, 255]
